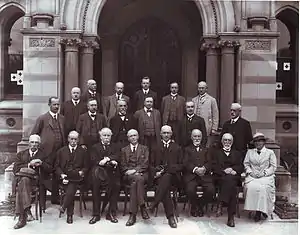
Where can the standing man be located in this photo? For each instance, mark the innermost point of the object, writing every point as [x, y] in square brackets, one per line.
[89, 125]
[189, 123]
[134, 167]
[72, 109]
[92, 93]
[140, 95]
[239, 128]
[121, 123]
[167, 166]
[111, 103]
[172, 110]
[26, 168]
[149, 123]
[71, 167]
[207, 108]
[198, 169]
[50, 127]
[105, 171]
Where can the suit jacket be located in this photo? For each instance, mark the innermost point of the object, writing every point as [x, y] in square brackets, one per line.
[111, 105]
[23, 158]
[83, 127]
[44, 128]
[87, 95]
[70, 165]
[193, 159]
[72, 113]
[98, 153]
[221, 161]
[139, 98]
[185, 132]
[139, 115]
[142, 155]
[116, 124]
[165, 108]
[207, 109]
[241, 132]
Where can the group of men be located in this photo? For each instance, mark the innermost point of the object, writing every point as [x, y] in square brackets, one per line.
[108, 142]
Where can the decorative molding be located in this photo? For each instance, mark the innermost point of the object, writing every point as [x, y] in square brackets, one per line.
[41, 42]
[258, 45]
[205, 46]
[84, 14]
[258, 23]
[215, 16]
[229, 44]
[72, 42]
[90, 44]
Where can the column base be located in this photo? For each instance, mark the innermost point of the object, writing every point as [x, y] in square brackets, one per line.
[283, 184]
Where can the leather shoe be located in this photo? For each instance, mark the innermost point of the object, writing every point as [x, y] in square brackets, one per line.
[230, 222]
[172, 222]
[200, 212]
[21, 222]
[131, 221]
[29, 215]
[219, 210]
[94, 219]
[257, 216]
[194, 213]
[144, 213]
[111, 217]
[70, 219]
[61, 211]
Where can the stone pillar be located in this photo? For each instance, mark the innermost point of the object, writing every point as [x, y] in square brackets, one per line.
[87, 62]
[227, 88]
[212, 67]
[71, 65]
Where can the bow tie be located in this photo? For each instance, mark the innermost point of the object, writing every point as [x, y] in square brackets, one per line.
[149, 110]
[122, 115]
[93, 115]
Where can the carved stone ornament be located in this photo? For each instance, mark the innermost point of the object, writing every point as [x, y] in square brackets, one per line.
[90, 44]
[258, 45]
[73, 42]
[41, 42]
[206, 46]
[229, 43]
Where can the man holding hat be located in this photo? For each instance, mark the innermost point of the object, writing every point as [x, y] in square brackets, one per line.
[26, 167]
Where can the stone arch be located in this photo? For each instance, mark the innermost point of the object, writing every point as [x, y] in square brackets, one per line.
[216, 16]
[286, 7]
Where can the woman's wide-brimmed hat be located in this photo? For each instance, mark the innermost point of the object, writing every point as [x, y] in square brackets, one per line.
[259, 136]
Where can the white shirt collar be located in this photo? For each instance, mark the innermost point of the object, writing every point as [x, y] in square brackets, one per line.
[91, 114]
[131, 146]
[30, 152]
[190, 116]
[70, 147]
[92, 92]
[147, 109]
[201, 96]
[121, 95]
[146, 91]
[168, 142]
[52, 114]
[235, 119]
[75, 101]
[174, 94]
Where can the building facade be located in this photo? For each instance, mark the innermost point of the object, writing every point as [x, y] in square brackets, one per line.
[246, 51]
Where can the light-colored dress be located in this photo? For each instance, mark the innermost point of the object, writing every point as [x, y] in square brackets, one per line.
[260, 192]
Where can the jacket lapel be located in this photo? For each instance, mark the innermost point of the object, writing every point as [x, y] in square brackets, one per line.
[50, 120]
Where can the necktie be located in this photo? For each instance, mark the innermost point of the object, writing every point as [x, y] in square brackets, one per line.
[55, 117]
[93, 115]
[133, 149]
[166, 145]
[190, 119]
[93, 94]
[32, 154]
[197, 149]
[258, 151]
[119, 97]
[75, 102]
[232, 121]
[173, 97]
[72, 150]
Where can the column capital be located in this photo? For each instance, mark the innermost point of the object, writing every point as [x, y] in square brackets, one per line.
[90, 44]
[229, 44]
[72, 44]
[207, 45]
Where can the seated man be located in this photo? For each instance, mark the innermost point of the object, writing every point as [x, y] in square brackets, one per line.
[228, 168]
[105, 172]
[28, 164]
[198, 165]
[134, 167]
[168, 165]
[71, 166]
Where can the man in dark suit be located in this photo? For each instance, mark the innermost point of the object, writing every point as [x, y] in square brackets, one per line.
[111, 102]
[149, 122]
[190, 122]
[121, 123]
[35, 161]
[239, 128]
[167, 167]
[51, 128]
[140, 95]
[134, 168]
[71, 166]
[92, 93]
[172, 110]
[197, 171]
[227, 170]
[72, 109]
[89, 125]
[105, 172]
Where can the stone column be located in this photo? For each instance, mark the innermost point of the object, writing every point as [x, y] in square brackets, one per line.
[227, 88]
[212, 67]
[71, 65]
[87, 62]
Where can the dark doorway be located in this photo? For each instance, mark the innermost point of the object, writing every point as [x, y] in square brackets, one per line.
[150, 48]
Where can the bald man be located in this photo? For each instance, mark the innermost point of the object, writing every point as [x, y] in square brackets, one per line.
[172, 110]
[134, 168]
[111, 102]
[26, 167]
[105, 172]
[167, 164]
[72, 109]
[207, 108]
[198, 171]
[92, 93]
[239, 128]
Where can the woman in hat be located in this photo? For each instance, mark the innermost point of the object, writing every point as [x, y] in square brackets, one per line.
[259, 188]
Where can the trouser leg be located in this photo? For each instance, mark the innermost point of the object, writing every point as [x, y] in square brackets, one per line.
[68, 202]
[23, 195]
[163, 187]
